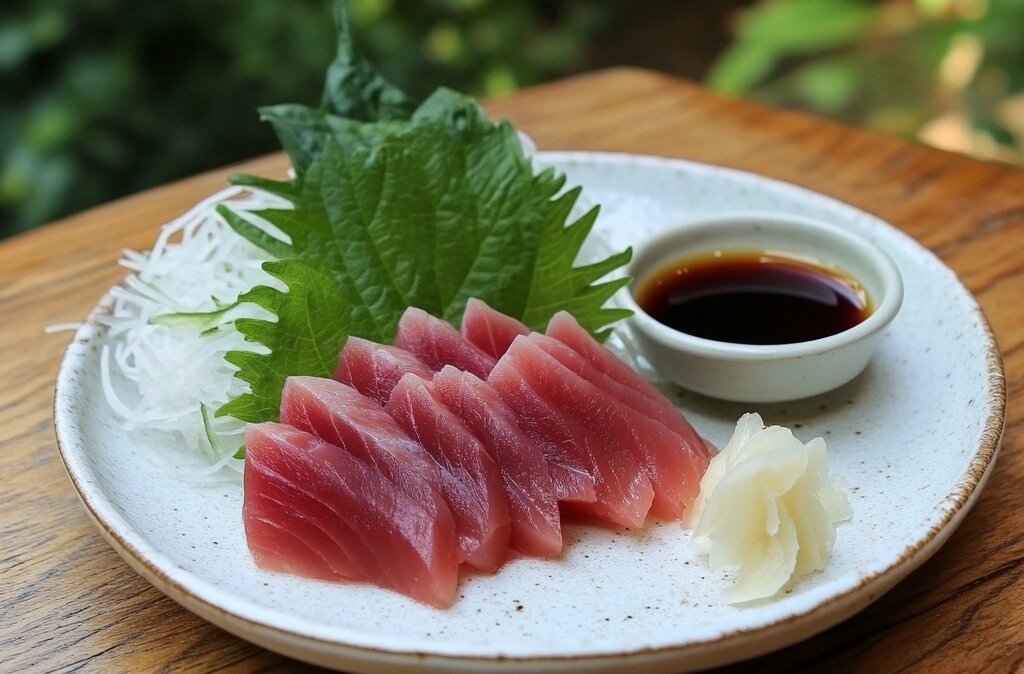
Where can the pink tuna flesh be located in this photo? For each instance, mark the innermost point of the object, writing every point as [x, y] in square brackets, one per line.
[565, 329]
[674, 468]
[489, 330]
[279, 547]
[469, 476]
[536, 529]
[373, 369]
[585, 430]
[437, 344]
[312, 508]
[340, 415]
[572, 477]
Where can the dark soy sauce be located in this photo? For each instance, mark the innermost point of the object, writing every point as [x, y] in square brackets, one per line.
[753, 297]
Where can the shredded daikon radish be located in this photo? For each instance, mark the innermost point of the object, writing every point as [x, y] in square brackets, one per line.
[61, 327]
[161, 369]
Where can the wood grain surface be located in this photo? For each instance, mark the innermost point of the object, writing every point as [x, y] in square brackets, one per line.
[68, 602]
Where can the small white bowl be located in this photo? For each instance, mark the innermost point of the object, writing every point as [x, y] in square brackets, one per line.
[777, 372]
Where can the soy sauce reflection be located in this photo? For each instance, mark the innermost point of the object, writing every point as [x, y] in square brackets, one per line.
[753, 297]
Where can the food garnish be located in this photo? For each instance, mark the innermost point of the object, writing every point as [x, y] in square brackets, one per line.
[768, 507]
[396, 204]
[168, 327]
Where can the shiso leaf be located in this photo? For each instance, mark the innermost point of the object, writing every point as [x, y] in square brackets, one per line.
[353, 87]
[396, 207]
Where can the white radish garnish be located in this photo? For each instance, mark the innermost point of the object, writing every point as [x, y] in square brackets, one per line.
[767, 508]
[171, 322]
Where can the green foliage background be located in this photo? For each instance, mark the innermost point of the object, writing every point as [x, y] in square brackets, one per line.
[947, 72]
[101, 98]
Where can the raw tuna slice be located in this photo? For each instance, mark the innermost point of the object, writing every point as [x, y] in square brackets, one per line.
[340, 415]
[565, 329]
[279, 547]
[488, 329]
[587, 430]
[469, 476]
[546, 425]
[437, 344]
[312, 508]
[675, 470]
[536, 529]
[373, 369]
[284, 537]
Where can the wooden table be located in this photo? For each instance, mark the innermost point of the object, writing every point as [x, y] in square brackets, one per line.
[68, 602]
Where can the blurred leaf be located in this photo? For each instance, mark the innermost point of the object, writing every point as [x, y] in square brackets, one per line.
[14, 186]
[775, 29]
[932, 8]
[15, 45]
[47, 27]
[50, 180]
[499, 81]
[367, 11]
[466, 5]
[829, 85]
[19, 39]
[444, 43]
[996, 131]
[51, 127]
[1014, 80]
[800, 26]
[741, 67]
[899, 66]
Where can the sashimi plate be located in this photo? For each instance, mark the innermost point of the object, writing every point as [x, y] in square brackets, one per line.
[921, 427]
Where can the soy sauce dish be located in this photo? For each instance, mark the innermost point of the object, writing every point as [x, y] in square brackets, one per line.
[755, 307]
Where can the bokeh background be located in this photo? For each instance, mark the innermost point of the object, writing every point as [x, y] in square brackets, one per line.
[101, 98]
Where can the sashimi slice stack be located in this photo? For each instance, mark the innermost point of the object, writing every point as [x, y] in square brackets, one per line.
[580, 430]
[533, 508]
[456, 448]
[469, 476]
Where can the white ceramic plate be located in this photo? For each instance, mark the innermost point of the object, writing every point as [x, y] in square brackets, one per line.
[920, 427]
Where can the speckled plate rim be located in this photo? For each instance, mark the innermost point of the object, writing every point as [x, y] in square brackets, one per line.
[226, 611]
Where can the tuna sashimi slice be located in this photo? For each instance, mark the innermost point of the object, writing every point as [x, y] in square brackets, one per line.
[296, 483]
[373, 369]
[565, 329]
[342, 416]
[277, 547]
[469, 476]
[488, 329]
[590, 432]
[675, 470]
[436, 344]
[572, 476]
[286, 536]
[536, 528]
